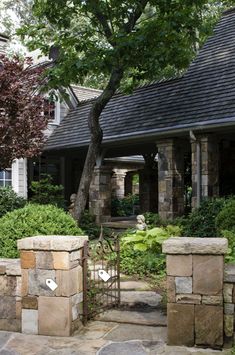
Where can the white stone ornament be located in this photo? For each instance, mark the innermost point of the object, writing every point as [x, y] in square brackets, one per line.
[104, 275]
[51, 284]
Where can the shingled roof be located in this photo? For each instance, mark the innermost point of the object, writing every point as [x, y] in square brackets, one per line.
[204, 96]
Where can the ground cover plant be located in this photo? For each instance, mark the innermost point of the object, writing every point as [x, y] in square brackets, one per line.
[31, 220]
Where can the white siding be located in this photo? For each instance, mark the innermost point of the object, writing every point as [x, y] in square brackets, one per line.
[19, 177]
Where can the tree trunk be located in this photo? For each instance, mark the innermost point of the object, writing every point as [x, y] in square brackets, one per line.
[96, 140]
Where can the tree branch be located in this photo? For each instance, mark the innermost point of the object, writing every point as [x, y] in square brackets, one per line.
[135, 16]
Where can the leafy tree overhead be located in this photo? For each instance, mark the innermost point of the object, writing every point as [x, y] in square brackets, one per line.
[22, 122]
[132, 40]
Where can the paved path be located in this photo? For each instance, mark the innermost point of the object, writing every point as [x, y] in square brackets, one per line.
[138, 328]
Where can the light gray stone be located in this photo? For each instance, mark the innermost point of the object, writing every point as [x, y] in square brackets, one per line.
[183, 285]
[125, 348]
[52, 242]
[13, 267]
[229, 273]
[228, 293]
[30, 321]
[183, 245]
[77, 298]
[37, 282]
[228, 308]
[154, 318]
[132, 298]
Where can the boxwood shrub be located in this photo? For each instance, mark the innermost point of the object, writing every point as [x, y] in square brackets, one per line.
[31, 220]
[9, 200]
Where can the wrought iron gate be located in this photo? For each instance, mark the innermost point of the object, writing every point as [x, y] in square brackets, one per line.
[100, 258]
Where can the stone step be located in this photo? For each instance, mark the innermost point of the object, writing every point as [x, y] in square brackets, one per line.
[134, 298]
[153, 318]
[131, 285]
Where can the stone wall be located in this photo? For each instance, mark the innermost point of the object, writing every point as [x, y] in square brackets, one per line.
[57, 258]
[229, 301]
[10, 295]
[195, 271]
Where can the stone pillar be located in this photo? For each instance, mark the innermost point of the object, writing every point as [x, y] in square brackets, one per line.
[209, 167]
[118, 183]
[229, 304]
[148, 190]
[44, 311]
[195, 271]
[170, 178]
[100, 194]
[10, 295]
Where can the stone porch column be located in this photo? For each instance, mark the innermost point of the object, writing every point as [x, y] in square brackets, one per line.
[148, 190]
[118, 183]
[100, 194]
[209, 167]
[170, 178]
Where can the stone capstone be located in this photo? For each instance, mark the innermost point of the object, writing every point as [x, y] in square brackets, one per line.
[184, 245]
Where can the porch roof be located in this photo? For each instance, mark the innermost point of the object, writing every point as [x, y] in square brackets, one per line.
[202, 98]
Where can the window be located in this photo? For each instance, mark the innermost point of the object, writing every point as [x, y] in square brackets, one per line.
[50, 109]
[5, 178]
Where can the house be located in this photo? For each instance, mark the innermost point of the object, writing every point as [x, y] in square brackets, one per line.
[188, 121]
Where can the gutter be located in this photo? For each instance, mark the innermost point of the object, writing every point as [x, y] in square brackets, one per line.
[157, 133]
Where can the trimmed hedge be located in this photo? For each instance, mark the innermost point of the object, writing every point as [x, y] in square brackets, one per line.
[33, 220]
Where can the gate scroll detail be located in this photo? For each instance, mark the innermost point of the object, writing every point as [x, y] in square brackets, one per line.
[100, 294]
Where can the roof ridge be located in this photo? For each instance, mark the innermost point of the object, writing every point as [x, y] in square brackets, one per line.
[86, 87]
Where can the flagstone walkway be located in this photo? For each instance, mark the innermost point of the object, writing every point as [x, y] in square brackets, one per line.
[137, 328]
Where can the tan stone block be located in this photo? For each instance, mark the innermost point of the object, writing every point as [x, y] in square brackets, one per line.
[228, 293]
[213, 300]
[27, 259]
[69, 281]
[24, 282]
[179, 265]
[189, 299]
[61, 260]
[7, 307]
[7, 285]
[208, 274]
[2, 269]
[44, 260]
[18, 309]
[180, 328]
[209, 325]
[30, 302]
[11, 325]
[58, 315]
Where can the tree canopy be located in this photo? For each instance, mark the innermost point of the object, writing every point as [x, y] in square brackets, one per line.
[122, 41]
[22, 110]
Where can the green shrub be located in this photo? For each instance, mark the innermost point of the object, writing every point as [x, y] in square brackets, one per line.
[33, 220]
[230, 235]
[202, 221]
[153, 220]
[225, 219]
[88, 225]
[126, 206]
[45, 192]
[9, 200]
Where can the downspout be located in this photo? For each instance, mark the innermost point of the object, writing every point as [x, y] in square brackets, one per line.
[198, 169]
[198, 172]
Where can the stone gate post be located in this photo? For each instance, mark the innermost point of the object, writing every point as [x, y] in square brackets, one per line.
[46, 311]
[195, 271]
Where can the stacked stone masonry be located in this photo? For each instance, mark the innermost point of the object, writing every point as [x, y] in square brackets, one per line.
[10, 295]
[44, 311]
[195, 272]
[229, 301]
